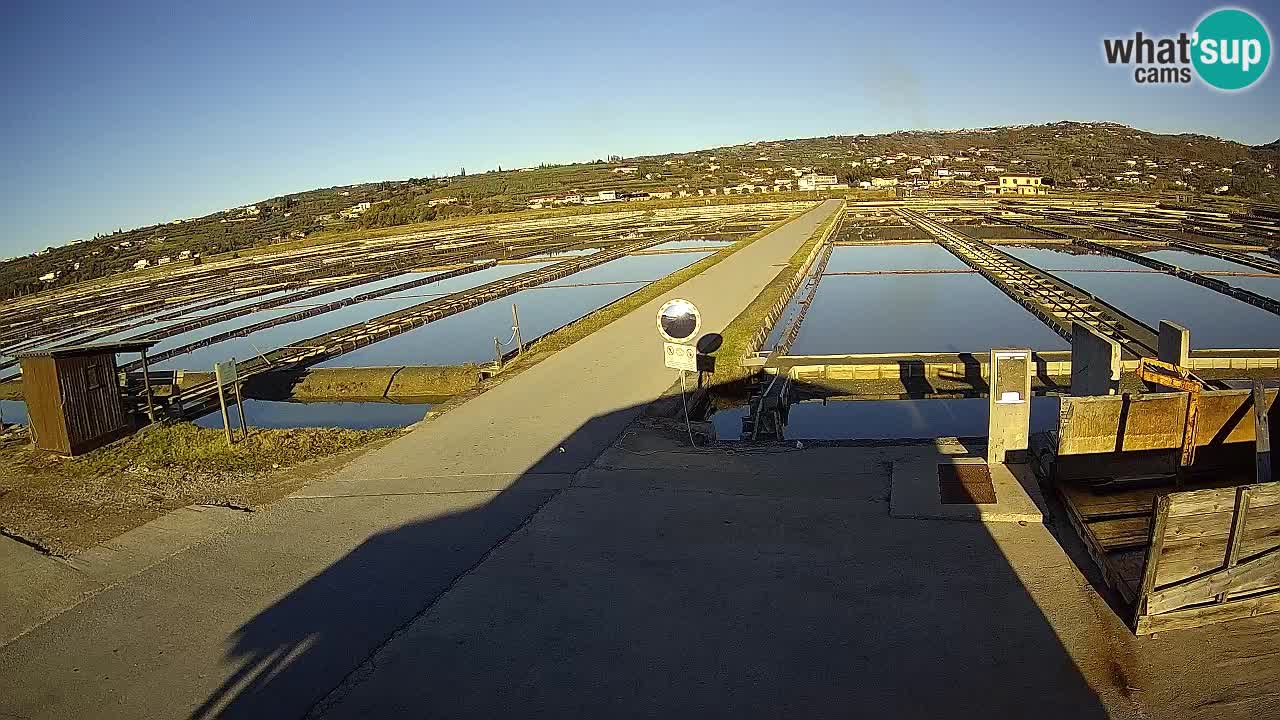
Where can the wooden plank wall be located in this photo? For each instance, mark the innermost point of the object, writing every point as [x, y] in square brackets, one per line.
[1121, 435]
[95, 413]
[44, 404]
[1214, 555]
[1110, 423]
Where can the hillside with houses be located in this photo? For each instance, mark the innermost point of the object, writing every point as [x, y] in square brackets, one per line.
[1059, 158]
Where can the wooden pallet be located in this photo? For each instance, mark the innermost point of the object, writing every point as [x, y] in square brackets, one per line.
[1187, 558]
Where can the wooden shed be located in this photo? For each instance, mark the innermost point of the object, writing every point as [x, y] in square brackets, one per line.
[74, 400]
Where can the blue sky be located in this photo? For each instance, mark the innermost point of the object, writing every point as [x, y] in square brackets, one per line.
[125, 114]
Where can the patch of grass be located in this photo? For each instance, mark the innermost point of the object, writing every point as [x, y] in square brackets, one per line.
[66, 505]
[581, 328]
[742, 330]
[187, 447]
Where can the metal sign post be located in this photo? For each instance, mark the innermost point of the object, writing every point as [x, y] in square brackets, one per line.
[678, 323]
[244, 425]
[1009, 422]
[515, 330]
[223, 373]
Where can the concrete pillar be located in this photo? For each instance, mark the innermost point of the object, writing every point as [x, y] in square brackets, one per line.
[1009, 424]
[1174, 345]
[1095, 362]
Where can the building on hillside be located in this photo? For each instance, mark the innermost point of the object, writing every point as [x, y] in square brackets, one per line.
[356, 210]
[1022, 185]
[813, 181]
[604, 196]
[625, 170]
[884, 182]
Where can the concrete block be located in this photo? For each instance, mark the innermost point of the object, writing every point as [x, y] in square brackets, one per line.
[1095, 362]
[1174, 345]
[1009, 424]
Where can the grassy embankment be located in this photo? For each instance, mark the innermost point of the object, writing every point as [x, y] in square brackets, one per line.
[65, 505]
[742, 335]
[184, 447]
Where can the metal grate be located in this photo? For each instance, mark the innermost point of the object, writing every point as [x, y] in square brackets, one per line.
[965, 485]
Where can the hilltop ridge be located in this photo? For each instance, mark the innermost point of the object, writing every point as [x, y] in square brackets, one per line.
[1100, 156]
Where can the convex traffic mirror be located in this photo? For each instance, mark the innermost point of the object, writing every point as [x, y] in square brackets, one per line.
[678, 320]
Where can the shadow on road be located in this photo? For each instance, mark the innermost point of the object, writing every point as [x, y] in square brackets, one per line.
[641, 597]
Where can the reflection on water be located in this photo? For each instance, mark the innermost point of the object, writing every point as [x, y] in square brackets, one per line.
[1196, 261]
[694, 243]
[468, 336]
[915, 256]
[13, 411]
[232, 301]
[463, 340]
[887, 419]
[1265, 286]
[1215, 320]
[352, 415]
[916, 313]
[269, 339]
[1049, 259]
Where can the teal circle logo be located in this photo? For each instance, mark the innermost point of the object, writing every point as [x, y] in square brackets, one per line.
[1232, 49]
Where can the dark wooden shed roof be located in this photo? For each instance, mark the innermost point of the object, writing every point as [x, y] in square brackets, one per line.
[125, 346]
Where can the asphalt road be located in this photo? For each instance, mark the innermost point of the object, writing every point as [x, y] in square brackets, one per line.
[267, 618]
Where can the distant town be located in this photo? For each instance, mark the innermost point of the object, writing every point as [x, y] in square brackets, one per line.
[1066, 157]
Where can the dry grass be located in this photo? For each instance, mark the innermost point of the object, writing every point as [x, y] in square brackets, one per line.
[326, 237]
[184, 447]
[743, 328]
[66, 505]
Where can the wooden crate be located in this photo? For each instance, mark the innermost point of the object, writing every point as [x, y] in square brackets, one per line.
[1183, 558]
[1213, 555]
[1179, 557]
